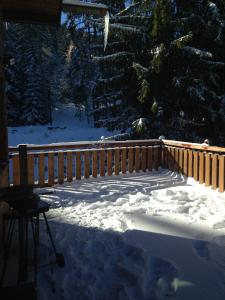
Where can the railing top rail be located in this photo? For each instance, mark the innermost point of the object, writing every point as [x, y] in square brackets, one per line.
[194, 146]
[88, 144]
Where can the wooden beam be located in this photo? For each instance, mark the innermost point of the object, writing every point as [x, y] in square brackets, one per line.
[3, 113]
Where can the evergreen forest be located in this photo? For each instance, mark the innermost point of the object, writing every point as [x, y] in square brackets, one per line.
[160, 72]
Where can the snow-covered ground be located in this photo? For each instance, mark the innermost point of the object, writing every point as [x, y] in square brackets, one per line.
[144, 236]
[65, 128]
[149, 236]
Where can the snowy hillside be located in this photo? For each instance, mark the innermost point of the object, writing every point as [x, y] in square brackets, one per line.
[65, 128]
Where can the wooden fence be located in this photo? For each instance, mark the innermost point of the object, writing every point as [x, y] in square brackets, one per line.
[46, 165]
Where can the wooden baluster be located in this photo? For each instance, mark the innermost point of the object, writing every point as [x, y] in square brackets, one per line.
[150, 158]
[201, 167]
[137, 159]
[86, 164]
[117, 161]
[109, 162]
[41, 169]
[78, 165]
[124, 161]
[208, 167]
[156, 158]
[185, 162]
[221, 173]
[190, 163]
[172, 161]
[131, 160]
[143, 159]
[94, 163]
[16, 169]
[51, 169]
[69, 166]
[181, 161]
[102, 162]
[30, 165]
[214, 171]
[176, 160]
[196, 168]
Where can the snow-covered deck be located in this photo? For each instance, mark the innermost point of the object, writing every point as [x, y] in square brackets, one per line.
[141, 236]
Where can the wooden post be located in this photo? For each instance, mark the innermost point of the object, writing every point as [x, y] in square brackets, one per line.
[4, 173]
[208, 166]
[23, 164]
[109, 162]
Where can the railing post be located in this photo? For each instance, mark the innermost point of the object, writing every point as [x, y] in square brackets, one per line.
[23, 164]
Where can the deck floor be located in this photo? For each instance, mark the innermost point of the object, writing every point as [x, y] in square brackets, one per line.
[153, 235]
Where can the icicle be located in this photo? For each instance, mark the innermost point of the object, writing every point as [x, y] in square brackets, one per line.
[106, 30]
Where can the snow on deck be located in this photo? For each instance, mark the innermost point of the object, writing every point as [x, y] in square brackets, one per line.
[141, 236]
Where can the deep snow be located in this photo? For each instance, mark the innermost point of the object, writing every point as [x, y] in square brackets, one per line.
[142, 236]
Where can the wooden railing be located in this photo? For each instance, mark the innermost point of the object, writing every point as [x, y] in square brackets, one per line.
[206, 164]
[46, 165]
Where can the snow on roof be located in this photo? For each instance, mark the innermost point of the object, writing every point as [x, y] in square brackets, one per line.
[77, 6]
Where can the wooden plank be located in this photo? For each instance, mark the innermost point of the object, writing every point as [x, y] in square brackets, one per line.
[176, 160]
[124, 161]
[193, 146]
[165, 157]
[190, 163]
[214, 171]
[172, 159]
[131, 160]
[137, 159]
[41, 169]
[102, 162]
[181, 161]
[155, 158]
[60, 167]
[185, 162]
[221, 173]
[208, 166]
[201, 167]
[16, 169]
[109, 162]
[78, 166]
[4, 175]
[168, 158]
[23, 164]
[51, 169]
[150, 158]
[117, 161]
[90, 145]
[94, 164]
[86, 164]
[196, 168]
[69, 166]
[30, 167]
[144, 159]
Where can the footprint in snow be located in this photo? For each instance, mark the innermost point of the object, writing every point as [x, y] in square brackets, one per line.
[201, 249]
